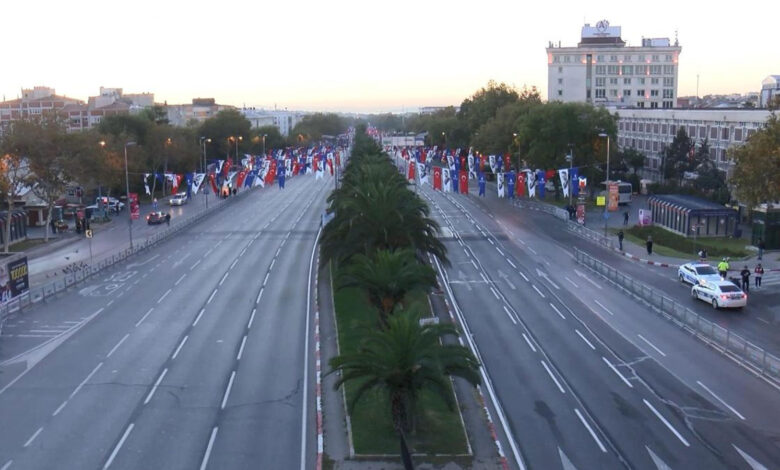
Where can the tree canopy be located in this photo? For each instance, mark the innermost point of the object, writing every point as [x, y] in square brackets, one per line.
[756, 174]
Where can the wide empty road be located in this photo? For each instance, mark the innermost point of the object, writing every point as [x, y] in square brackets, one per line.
[191, 355]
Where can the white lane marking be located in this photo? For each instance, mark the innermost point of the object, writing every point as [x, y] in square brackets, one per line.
[273, 262]
[532, 250]
[181, 345]
[509, 315]
[227, 390]
[234, 263]
[164, 296]
[98, 311]
[721, 400]
[194, 265]
[7, 465]
[537, 291]
[60, 408]
[609, 364]
[511, 263]
[197, 319]
[499, 251]
[32, 438]
[549, 372]
[596, 285]
[668, 425]
[495, 294]
[83, 382]
[762, 320]
[311, 278]
[524, 277]
[118, 446]
[205, 462]
[529, 343]
[209, 251]
[585, 339]
[156, 384]
[212, 296]
[466, 251]
[557, 311]
[590, 430]
[259, 295]
[754, 464]
[651, 345]
[483, 277]
[242, 252]
[241, 349]
[265, 280]
[222, 281]
[572, 282]
[252, 317]
[475, 265]
[109, 303]
[521, 241]
[180, 279]
[605, 308]
[491, 241]
[136, 282]
[117, 345]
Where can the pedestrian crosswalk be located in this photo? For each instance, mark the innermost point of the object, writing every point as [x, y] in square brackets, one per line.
[771, 278]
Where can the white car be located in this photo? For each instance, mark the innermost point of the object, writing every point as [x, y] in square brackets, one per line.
[178, 199]
[696, 273]
[721, 294]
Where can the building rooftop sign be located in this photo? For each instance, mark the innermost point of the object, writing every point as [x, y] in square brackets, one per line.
[601, 30]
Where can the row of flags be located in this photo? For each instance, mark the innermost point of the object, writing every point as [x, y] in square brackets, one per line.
[253, 170]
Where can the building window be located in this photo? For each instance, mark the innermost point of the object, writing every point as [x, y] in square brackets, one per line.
[626, 58]
[601, 93]
[654, 81]
[668, 93]
[600, 81]
[601, 70]
[613, 81]
[560, 81]
[668, 69]
[560, 69]
[655, 70]
[599, 58]
[653, 92]
[640, 104]
[702, 132]
[640, 93]
[626, 92]
[556, 58]
[713, 133]
[612, 69]
[640, 81]
[621, 125]
[656, 58]
[738, 134]
[664, 128]
[669, 81]
[655, 128]
[725, 134]
[641, 127]
[613, 58]
[560, 92]
[587, 94]
[641, 57]
[613, 93]
[567, 58]
[626, 81]
[668, 57]
[672, 129]
[633, 126]
[654, 104]
[628, 70]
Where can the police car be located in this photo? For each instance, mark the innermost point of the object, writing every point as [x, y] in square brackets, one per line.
[696, 273]
[178, 199]
[721, 294]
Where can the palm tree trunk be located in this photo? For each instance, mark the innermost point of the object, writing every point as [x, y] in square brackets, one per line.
[399, 424]
[406, 456]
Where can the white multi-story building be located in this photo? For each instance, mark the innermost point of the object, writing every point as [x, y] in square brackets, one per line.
[651, 130]
[603, 70]
[285, 120]
[770, 88]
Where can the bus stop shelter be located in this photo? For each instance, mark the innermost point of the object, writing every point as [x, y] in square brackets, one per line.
[691, 215]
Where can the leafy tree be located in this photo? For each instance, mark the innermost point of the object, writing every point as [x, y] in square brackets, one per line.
[402, 361]
[13, 173]
[485, 103]
[387, 276]
[220, 128]
[314, 126]
[678, 157]
[756, 174]
[633, 158]
[273, 140]
[499, 133]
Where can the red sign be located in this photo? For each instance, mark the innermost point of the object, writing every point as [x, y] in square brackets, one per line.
[437, 178]
[581, 214]
[464, 182]
[520, 186]
[412, 164]
[612, 206]
[135, 208]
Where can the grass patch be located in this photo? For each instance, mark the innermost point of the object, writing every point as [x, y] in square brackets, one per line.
[29, 244]
[670, 244]
[439, 430]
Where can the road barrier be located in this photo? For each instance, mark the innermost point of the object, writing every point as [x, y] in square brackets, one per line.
[747, 353]
[42, 292]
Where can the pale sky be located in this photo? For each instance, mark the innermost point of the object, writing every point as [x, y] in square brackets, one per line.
[349, 55]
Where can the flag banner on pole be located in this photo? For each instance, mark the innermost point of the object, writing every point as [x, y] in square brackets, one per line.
[410, 170]
[464, 182]
[563, 175]
[250, 178]
[281, 177]
[492, 162]
[288, 166]
[446, 180]
[481, 181]
[423, 173]
[329, 161]
[320, 169]
[472, 172]
[482, 162]
[540, 183]
[188, 177]
[437, 178]
[220, 164]
[197, 180]
[510, 184]
[146, 184]
[226, 167]
[213, 181]
[500, 184]
[507, 161]
[575, 182]
[240, 179]
[521, 183]
[530, 179]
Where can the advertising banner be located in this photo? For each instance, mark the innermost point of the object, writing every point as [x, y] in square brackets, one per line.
[135, 208]
[613, 197]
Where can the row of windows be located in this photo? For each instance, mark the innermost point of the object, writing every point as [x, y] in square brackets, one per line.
[600, 92]
[718, 154]
[738, 134]
[601, 81]
[632, 70]
[616, 58]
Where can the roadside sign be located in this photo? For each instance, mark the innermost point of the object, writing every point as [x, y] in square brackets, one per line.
[135, 208]
[601, 200]
[613, 197]
[88, 232]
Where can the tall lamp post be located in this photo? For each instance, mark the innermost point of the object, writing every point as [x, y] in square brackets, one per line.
[264, 136]
[127, 192]
[203, 141]
[606, 205]
[570, 158]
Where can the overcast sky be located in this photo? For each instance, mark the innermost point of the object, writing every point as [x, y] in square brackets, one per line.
[348, 55]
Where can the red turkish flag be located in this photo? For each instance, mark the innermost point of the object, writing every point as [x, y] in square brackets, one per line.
[437, 178]
[520, 186]
[240, 179]
[423, 155]
[213, 182]
[412, 164]
[549, 174]
[463, 178]
[507, 161]
[271, 175]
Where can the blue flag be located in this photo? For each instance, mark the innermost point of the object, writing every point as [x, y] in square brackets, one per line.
[540, 183]
[575, 182]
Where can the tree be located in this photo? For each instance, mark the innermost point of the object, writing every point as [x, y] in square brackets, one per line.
[14, 171]
[678, 157]
[402, 361]
[314, 126]
[756, 174]
[273, 140]
[633, 158]
[484, 104]
[387, 276]
[220, 128]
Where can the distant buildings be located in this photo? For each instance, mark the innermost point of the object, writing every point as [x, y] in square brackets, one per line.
[285, 120]
[603, 70]
[196, 113]
[770, 90]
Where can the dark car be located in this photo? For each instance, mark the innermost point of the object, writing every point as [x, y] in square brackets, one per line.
[157, 217]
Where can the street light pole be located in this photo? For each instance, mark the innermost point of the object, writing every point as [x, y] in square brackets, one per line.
[127, 192]
[571, 166]
[203, 141]
[606, 205]
[264, 136]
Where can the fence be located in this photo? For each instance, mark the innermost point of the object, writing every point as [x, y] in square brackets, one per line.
[42, 292]
[747, 353]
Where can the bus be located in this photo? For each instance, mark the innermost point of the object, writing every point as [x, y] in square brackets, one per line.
[625, 191]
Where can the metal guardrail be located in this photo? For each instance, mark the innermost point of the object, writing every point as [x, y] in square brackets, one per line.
[750, 355]
[44, 291]
[571, 225]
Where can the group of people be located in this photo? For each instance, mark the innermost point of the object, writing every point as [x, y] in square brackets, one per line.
[758, 273]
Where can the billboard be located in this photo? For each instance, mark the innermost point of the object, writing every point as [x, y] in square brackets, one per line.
[14, 279]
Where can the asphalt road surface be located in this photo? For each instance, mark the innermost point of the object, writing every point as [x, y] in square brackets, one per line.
[583, 376]
[192, 355]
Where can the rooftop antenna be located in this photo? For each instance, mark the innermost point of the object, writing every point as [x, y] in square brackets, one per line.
[676, 41]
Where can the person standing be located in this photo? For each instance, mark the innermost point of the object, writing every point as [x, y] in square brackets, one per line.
[761, 245]
[723, 268]
[620, 239]
[745, 273]
[649, 244]
[625, 218]
[759, 273]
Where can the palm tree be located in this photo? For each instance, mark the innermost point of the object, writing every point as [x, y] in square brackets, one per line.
[403, 360]
[387, 277]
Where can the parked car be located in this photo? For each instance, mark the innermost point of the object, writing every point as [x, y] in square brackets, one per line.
[157, 217]
[110, 204]
[721, 294]
[695, 272]
[178, 199]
